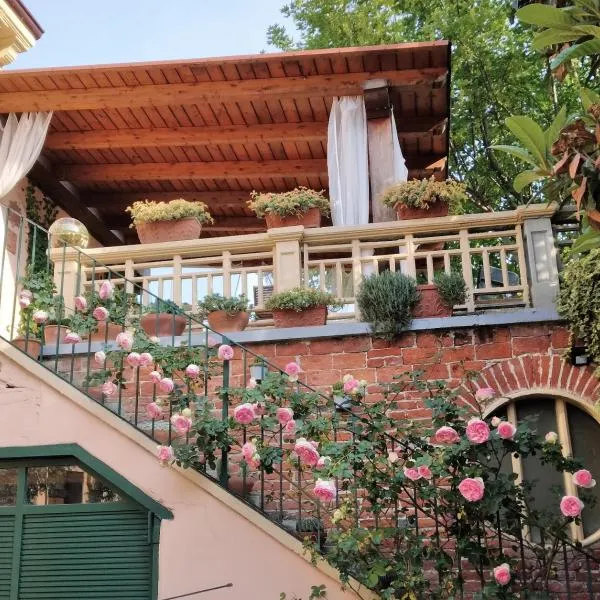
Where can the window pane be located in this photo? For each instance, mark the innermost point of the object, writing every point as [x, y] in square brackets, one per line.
[585, 431]
[8, 487]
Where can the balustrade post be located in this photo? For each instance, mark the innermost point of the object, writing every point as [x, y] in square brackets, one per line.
[467, 267]
[69, 279]
[287, 271]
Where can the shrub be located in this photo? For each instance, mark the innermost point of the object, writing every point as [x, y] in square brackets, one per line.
[386, 301]
[214, 302]
[452, 288]
[149, 212]
[300, 299]
[422, 193]
[163, 306]
[295, 202]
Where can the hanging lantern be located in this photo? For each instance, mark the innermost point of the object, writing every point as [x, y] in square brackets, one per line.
[70, 232]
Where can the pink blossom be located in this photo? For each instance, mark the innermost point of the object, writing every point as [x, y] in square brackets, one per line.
[307, 452]
[251, 383]
[351, 386]
[323, 462]
[472, 489]
[290, 428]
[496, 421]
[72, 338]
[292, 370]
[412, 473]
[478, 431]
[80, 303]
[325, 490]
[25, 298]
[484, 394]
[248, 450]
[425, 472]
[393, 457]
[244, 413]
[109, 388]
[583, 478]
[134, 359]
[187, 412]
[259, 409]
[100, 313]
[284, 415]
[502, 574]
[106, 290]
[551, 437]
[166, 385]
[155, 339]
[155, 377]
[165, 454]
[154, 411]
[181, 423]
[225, 352]
[571, 506]
[446, 435]
[146, 359]
[192, 371]
[506, 430]
[100, 357]
[40, 316]
[125, 340]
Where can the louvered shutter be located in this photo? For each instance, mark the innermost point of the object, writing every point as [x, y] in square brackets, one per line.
[7, 536]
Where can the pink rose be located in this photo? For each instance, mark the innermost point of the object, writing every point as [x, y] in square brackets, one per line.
[551, 437]
[284, 415]
[478, 431]
[251, 383]
[290, 428]
[259, 409]
[506, 430]
[225, 352]
[502, 574]
[393, 457]
[351, 386]
[134, 359]
[100, 357]
[40, 316]
[244, 413]
[496, 421]
[583, 478]
[472, 489]
[571, 506]
[155, 339]
[323, 462]
[166, 385]
[25, 298]
[292, 370]
[106, 290]
[484, 394]
[146, 359]
[125, 340]
[446, 435]
[425, 472]
[72, 338]
[412, 473]
[154, 411]
[181, 423]
[165, 454]
[307, 452]
[109, 388]
[192, 371]
[155, 377]
[248, 450]
[325, 490]
[100, 313]
[80, 303]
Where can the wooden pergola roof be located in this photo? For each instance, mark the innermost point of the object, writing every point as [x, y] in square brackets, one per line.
[215, 129]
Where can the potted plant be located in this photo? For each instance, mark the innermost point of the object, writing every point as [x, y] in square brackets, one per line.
[225, 314]
[241, 484]
[421, 198]
[163, 318]
[259, 369]
[312, 528]
[438, 299]
[300, 206]
[168, 221]
[301, 307]
[118, 305]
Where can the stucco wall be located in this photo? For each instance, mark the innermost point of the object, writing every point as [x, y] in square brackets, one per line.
[209, 542]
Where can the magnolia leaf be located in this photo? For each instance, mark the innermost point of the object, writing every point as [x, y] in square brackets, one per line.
[549, 37]
[561, 163]
[531, 135]
[516, 151]
[526, 178]
[545, 16]
[588, 97]
[574, 166]
[553, 131]
[576, 51]
[579, 192]
[586, 242]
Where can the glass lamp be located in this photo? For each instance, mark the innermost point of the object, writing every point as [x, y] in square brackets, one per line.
[68, 231]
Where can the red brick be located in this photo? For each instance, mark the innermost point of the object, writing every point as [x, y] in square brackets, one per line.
[458, 354]
[531, 345]
[291, 349]
[528, 330]
[406, 340]
[555, 366]
[490, 351]
[316, 363]
[324, 346]
[375, 363]
[355, 360]
[383, 352]
[356, 344]
[328, 377]
[265, 350]
[427, 340]
[491, 335]
[369, 375]
[463, 338]
[420, 355]
[439, 371]
[387, 374]
[561, 338]
[459, 369]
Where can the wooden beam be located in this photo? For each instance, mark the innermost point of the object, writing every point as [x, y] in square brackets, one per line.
[185, 136]
[348, 84]
[194, 170]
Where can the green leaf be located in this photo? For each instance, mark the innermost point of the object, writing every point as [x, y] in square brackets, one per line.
[577, 51]
[517, 151]
[526, 178]
[586, 242]
[588, 97]
[553, 131]
[549, 37]
[531, 135]
[544, 16]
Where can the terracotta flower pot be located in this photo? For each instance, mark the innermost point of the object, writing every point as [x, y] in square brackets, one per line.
[221, 320]
[236, 485]
[101, 335]
[437, 209]
[31, 346]
[169, 231]
[51, 333]
[163, 324]
[317, 315]
[312, 218]
[431, 303]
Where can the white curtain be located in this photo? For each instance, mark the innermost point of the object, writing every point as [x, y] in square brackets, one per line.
[21, 141]
[348, 162]
[400, 170]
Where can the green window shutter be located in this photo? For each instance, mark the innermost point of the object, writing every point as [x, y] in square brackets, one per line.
[7, 536]
[87, 555]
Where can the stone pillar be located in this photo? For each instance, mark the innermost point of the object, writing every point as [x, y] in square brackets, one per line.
[287, 269]
[69, 280]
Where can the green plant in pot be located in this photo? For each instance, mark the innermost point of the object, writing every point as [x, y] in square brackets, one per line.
[119, 307]
[421, 198]
[163, 318]
[301, 307]
[168, 221]
[225, 314]
[438, 299]
[300, 206]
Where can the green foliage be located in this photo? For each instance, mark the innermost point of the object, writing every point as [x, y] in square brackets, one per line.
[41, 212]
[422, 193]
[386, 301]
[150, 212]
[316, 591]
[579, 300]
[214, 302]
[299, 299]
[452, 288]
[41, 284]
[163, 306]
[295, 202]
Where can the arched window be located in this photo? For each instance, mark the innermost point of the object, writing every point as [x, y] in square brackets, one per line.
[579, 434]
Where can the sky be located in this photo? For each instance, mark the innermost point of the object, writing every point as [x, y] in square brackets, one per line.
[84, 32]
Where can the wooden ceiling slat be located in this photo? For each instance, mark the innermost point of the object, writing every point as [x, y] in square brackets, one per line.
[215, 73]
[185, 73]
[191, 110]
[231, 72]
[339, 65]
[261, 70]
[291, 150]
[167, 116]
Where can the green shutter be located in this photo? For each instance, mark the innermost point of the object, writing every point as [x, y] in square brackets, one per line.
[85, 556]
[7, 536]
